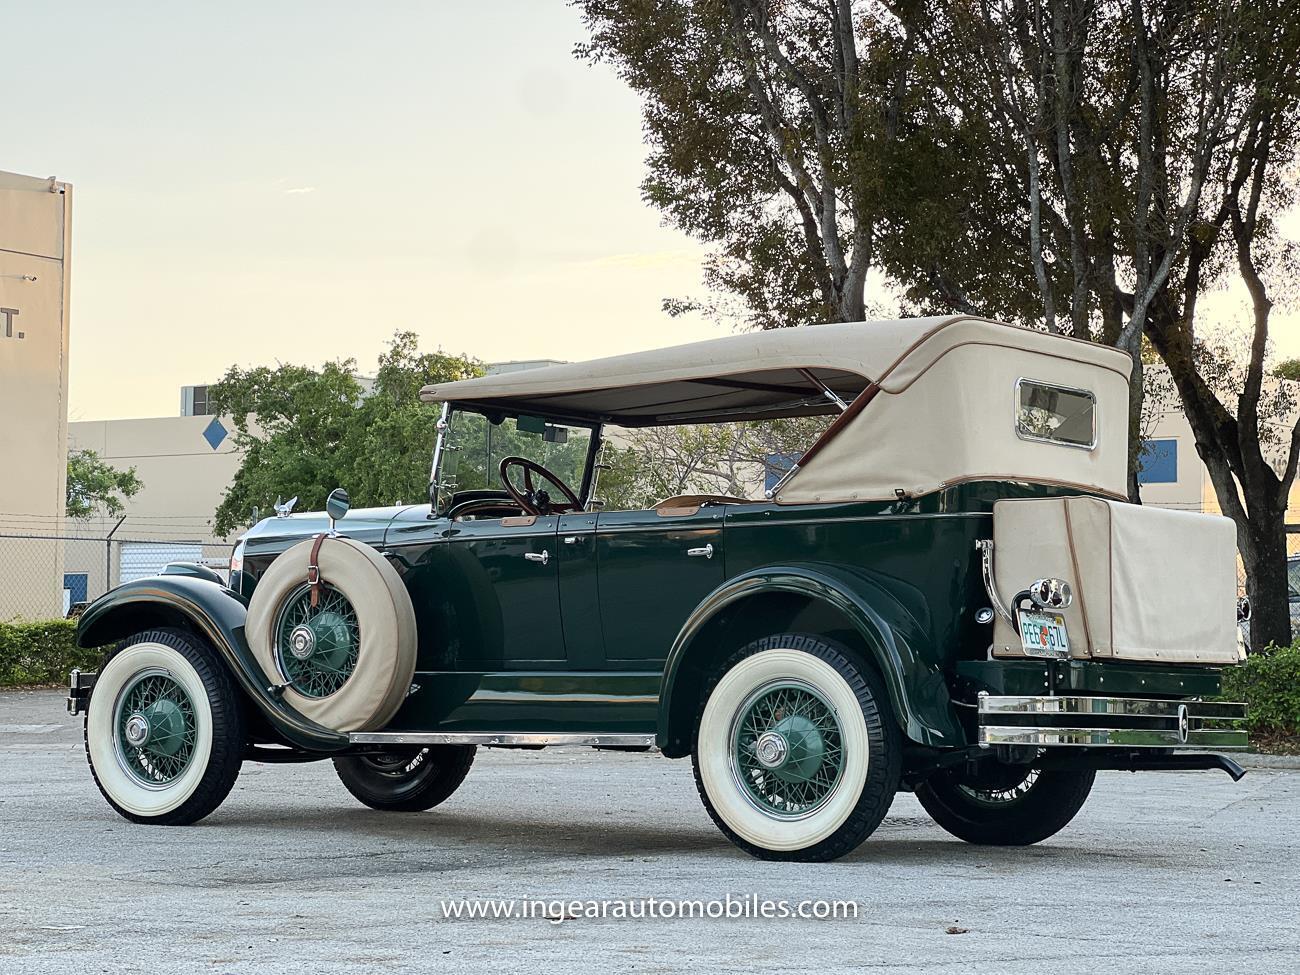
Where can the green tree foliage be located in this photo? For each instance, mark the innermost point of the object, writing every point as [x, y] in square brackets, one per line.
[1288, 369]
[97, 488]
[304, 432]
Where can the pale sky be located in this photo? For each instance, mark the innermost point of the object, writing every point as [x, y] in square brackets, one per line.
[294, 181]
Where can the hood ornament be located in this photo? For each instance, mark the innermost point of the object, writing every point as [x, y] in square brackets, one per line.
[285, 509]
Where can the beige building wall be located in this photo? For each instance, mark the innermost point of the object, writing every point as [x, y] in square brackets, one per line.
[185, 464]
[35, 240]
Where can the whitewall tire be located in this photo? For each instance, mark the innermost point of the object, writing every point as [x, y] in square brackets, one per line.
[164, 729]
[796, 753]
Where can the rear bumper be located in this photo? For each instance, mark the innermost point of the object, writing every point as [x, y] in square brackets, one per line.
[1111, 722]
[80, 684]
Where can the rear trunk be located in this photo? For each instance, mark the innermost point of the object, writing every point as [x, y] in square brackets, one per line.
[1150, 585]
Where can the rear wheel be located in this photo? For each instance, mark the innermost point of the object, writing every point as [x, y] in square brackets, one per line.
[407, 780]
[1005, 805]
[796, 754]
[164, 729]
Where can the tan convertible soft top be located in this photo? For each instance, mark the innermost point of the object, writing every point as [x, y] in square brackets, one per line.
[951, 370]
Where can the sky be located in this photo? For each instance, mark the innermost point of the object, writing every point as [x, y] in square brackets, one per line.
[294, 181]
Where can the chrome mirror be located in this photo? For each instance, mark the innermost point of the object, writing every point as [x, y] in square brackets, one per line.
[1243, 609]
[336, 506]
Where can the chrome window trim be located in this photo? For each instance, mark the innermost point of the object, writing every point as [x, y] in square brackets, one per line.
[1035, 438]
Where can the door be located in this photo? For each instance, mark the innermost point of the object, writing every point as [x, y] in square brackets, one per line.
[653, 569]
[509, 566]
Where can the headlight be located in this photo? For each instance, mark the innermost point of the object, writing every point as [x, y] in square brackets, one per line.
[237, 558]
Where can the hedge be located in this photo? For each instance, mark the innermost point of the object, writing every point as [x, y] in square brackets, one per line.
[1269, 683]
[41, 653]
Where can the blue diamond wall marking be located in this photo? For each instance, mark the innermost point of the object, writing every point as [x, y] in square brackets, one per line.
[215, 433]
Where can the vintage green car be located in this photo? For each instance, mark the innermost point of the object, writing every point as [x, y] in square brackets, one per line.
[947, 593]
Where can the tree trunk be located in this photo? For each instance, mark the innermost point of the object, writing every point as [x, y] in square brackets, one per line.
[1136, 393]
[1266, 580]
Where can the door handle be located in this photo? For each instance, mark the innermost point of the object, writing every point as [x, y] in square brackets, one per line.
[705, 551]
[543, 556]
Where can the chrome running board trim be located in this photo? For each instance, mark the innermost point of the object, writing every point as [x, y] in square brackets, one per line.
[532, 738]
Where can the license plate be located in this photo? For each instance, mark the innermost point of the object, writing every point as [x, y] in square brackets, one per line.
[1043, 634]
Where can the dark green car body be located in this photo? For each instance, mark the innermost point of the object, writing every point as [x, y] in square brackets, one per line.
[617, 632]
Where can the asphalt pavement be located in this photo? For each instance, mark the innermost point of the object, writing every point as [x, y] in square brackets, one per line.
[1185, 872]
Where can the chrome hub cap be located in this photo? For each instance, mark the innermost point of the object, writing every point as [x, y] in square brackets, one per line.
[771, 749]
[316, 646]
[154, 728]
[302, 642]
[137, 730]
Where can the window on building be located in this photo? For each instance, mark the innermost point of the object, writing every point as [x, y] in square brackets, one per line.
[1158, 461]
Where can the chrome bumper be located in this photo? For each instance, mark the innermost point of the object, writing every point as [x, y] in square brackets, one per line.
[1111, 722]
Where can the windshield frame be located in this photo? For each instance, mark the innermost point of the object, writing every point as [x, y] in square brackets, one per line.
[444, 425]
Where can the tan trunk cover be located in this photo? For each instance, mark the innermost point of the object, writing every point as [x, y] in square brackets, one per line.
[1150, 584]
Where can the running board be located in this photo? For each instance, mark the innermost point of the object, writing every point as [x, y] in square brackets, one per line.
[532, 739]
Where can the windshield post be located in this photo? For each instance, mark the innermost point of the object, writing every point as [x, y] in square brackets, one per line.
[438, 447]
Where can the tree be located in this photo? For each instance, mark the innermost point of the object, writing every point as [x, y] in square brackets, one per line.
[1288, 369]
[782, 133]
[303, 432]
[97, 488]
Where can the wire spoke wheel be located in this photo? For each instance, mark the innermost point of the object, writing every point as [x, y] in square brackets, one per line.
[316, 647]
[154, 729]
[1014, 788]
[787, 749]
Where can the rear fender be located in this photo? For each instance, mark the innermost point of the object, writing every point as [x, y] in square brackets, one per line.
[884, 630]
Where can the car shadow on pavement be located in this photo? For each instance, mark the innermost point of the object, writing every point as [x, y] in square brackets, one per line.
[899, 841]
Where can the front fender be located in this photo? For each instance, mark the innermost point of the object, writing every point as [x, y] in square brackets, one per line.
[217, 614]
[897, 643]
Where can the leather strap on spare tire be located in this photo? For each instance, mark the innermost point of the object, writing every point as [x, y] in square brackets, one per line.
[340, 640]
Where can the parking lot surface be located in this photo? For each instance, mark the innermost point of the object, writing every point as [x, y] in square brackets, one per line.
[1183, 872]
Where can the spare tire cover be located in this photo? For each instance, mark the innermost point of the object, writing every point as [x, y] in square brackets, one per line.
[350, 659]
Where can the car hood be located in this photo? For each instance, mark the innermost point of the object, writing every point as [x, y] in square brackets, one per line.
[364, 524]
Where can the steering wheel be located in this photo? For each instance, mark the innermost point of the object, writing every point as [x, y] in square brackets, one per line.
[534, 500]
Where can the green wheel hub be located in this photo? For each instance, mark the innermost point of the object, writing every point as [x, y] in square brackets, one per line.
[316, 647]
[787, 749]
[153, 728]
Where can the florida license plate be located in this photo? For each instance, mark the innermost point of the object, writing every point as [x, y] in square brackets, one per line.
[1043, 634]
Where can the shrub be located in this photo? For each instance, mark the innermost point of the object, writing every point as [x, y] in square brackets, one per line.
[41, 653]
[1269, 683]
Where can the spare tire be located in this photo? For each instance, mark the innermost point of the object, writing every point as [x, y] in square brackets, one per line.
[348, 661]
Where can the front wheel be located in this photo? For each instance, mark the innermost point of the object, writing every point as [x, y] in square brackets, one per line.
[796, 753]
[1005, 805]
[406, 780]
[164, 729]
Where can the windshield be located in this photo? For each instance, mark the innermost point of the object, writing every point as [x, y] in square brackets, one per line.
[474, 446]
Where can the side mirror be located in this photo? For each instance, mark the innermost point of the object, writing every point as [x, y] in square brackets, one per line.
[337, 505]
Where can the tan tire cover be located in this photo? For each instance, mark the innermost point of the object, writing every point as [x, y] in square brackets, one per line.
[385, 624]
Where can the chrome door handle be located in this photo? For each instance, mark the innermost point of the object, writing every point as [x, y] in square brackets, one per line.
[706, 551]
[543, 556]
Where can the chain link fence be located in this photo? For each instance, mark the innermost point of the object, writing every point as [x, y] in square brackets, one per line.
[46, 575]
